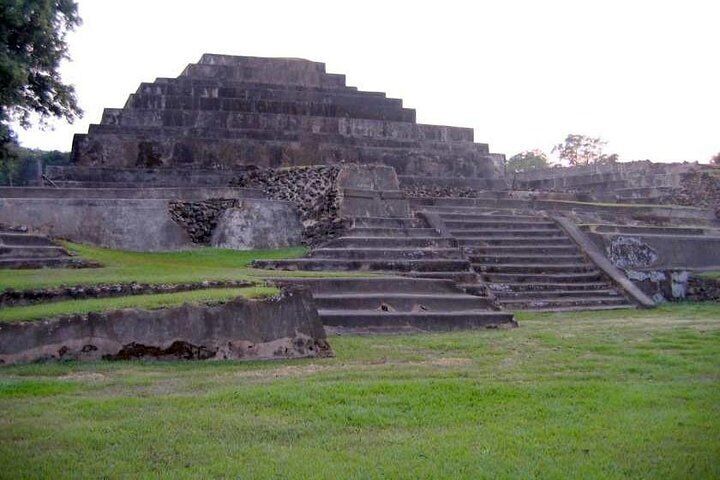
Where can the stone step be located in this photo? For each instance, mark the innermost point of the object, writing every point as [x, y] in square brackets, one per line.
[390, 242]
[564, 302]
[32, 263]
[517, 259]
[391, 232]
[24, 239]
[498, 225]
[535, 278]
[400, 302]
[534, 267]
[35, 251]
[480, 241]
[544, 294]
[541, 286]
[388, 222]
[580, 308]
[472, 214]
[415, 320]
[552, 250]
[398, 265]
[392, 111]
[454, 276]
[377, 284]
[503, 233]
[386, 253]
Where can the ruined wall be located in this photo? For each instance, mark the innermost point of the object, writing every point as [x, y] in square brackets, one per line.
[286, 326]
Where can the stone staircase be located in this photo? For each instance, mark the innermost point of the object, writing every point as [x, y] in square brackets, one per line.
[426, 296]
[528, 262]
[20, 249]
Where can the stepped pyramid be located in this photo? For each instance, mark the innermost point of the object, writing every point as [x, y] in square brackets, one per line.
[226, 112]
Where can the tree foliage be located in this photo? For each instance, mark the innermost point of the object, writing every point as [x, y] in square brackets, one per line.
[32, 45]
[583, 150]
[528, 160]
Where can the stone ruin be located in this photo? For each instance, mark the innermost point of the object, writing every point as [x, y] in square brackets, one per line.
[244, 152]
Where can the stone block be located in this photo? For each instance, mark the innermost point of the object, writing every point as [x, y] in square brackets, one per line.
[255, 225]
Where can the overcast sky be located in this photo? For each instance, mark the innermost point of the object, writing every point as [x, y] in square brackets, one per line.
[644, 75]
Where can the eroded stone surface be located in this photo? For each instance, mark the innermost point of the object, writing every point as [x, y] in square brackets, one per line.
[286, 326]
[248, 226]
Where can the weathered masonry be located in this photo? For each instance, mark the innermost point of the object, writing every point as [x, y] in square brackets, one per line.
[227, 112]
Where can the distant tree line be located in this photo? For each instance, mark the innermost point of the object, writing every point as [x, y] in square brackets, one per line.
[575, 150]
[23, 165]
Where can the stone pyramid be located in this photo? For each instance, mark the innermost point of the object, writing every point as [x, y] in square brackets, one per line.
[226, 112]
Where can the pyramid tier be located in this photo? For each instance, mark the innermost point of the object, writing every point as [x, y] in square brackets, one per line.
[220, 120]
[164, 148]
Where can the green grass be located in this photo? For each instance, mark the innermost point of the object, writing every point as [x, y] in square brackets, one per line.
[165, 267]
[624, 394]
[715, 274]
[44, 310]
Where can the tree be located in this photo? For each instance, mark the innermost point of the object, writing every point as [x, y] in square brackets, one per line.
[584, 150]
[528, 160]
[32, 45]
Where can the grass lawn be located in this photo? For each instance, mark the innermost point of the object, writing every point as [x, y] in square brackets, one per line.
[44, 310]
[152, 267]
[624, 394]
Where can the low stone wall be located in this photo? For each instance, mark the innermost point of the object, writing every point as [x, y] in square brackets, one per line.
[137, 224]
[662, 252]
[286, 326]
[15, 298]
[184, 193]
[675, 285]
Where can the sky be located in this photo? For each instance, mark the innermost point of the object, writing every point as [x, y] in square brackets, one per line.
[643, 75]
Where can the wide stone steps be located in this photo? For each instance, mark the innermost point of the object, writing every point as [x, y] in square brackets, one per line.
[539, 286]
[530, 259]
[563, 302]
[507, 233]
[473, 214]
[397, 264]
[495, 224]
[520, 250]
[24, 239]
[534, 267]
[43, 262]
[32, 251]
[392, 232]
[378, 304]
[387, 222]
[461, 276]
[545, 294]
[534, 278]
[386, 253]
[393, 321]
[401, 302]
[390, 242]
[375, 284]
[479, 241]
[265, 75]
